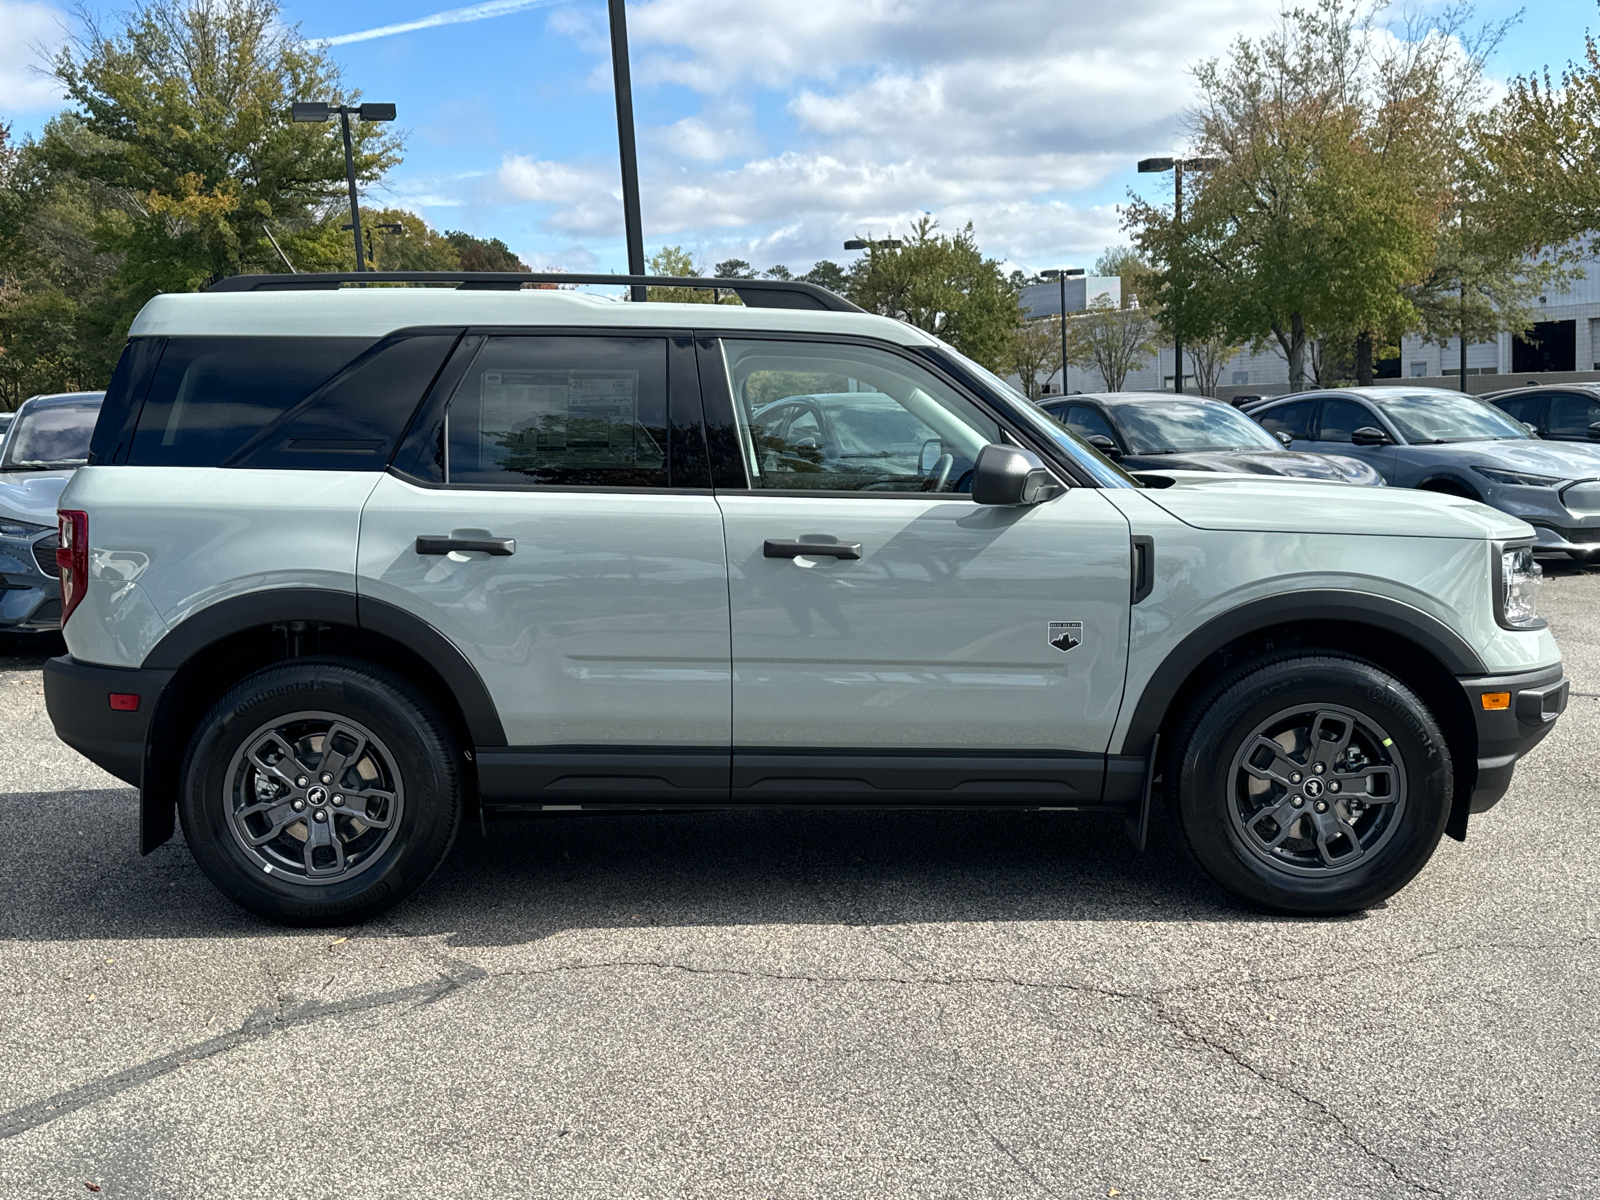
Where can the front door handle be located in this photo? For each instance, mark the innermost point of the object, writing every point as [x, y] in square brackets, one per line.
[443, 544]
[776, 548]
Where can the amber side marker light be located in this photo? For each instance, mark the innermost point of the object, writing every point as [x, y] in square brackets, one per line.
[125, 701]
[1494, 701]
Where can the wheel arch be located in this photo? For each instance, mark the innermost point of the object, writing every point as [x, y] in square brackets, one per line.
[1422, 651]
[221, 644]
[1453, 485]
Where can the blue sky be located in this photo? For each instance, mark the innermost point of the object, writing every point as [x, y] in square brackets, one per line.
[772, 130]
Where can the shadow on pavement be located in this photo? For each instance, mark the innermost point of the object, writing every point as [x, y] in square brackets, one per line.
[28, 651]
[69, 870]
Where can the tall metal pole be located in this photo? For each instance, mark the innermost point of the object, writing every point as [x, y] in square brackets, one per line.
[1177, 324]
[1063, 278]
[350, 174]
[625, 143]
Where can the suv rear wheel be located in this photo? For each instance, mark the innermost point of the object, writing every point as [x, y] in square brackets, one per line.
[1313, 784]
[320, 791]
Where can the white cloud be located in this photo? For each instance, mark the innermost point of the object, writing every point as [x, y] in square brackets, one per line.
[453, 16]
[1001, 113]
[28, 29]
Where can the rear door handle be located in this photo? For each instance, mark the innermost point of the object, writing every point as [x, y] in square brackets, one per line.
[777, 548]
[442, 544]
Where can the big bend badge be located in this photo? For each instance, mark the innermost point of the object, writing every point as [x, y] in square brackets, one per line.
[1064, 635]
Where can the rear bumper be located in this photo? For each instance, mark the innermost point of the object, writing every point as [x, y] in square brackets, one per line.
[77, 696]
[1505, 735]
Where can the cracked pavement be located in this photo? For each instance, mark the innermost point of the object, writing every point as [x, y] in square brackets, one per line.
[803, 1005]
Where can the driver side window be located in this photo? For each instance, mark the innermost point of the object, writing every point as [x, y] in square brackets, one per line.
[840, 418]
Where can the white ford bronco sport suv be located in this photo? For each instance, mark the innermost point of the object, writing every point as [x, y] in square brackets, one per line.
[348, 564]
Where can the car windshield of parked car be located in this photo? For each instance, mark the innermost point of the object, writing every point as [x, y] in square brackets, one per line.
[1175, 426]
[1425, 418]
[45, 438]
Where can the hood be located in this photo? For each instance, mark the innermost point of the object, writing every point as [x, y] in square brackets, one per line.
[1334, 468]
[32, 495]
[1569, 460]
[1265, 504]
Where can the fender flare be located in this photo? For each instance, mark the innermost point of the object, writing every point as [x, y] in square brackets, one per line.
[217, 621]
[1427, 632]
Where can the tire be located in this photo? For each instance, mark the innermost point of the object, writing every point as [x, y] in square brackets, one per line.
[275, 838]
[1251, 745]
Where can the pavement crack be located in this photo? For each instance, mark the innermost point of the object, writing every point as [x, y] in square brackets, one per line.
[255, 1028]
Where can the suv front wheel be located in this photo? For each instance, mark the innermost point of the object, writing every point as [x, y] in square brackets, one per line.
[1315, 784]
[320, 791]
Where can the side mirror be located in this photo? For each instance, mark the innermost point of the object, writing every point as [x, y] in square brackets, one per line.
[1105, 445]
[1006, 475]
[1594, 431]
[932, 451]
[1284, 437]
[1369, 436]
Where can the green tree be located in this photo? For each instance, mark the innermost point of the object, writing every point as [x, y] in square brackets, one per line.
[733, 268]
[182, 128]
[1124, 264]
[1336, 149]
[1033, 354]
[830, 275]
[1111, 340]
[941, 284]
[480, 254]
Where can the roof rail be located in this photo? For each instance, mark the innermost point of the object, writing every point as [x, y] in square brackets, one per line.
[756, 293]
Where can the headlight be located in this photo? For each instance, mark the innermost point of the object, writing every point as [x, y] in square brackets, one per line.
[1517, 588]
[19, 529]
[1518, 478]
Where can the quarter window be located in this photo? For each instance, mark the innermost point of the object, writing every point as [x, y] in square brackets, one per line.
[561, 411]
[840, 418]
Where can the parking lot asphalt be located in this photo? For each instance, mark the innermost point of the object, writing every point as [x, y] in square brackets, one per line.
[803, 1005]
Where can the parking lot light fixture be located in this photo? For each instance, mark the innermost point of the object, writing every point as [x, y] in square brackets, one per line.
[1063, 274]
[1158, 166]
[870, 244]
[315, 112]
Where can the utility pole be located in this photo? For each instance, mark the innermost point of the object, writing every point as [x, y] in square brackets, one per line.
[632, 222]
[1063, 274]
[316, 113]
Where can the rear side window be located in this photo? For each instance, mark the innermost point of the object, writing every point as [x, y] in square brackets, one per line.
[212, 395]
[561, 411]
[1293, 419]
[1572, 414]
[1341, 418]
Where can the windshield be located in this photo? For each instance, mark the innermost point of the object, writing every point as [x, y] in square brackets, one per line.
[1170, 426]
[1424, 417]
[1102, 468]
[53, 436]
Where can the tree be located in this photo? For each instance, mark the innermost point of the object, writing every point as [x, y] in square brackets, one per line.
[1033, 354]
[183, 131]
[1111, 340]
[941, 284]
[1208, 356]
[478, 254]
[733, 268]
[1123, 263]
[778, 271]
[1335, 146]
[826, 274]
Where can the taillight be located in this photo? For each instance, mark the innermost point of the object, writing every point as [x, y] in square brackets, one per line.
[72, 558]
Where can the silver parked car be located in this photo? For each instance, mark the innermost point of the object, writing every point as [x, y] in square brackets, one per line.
[1158, 431]
[1444, 441]
[47, 442]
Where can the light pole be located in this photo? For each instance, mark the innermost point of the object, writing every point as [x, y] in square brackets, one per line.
[319, 113]
[1063, 273]
[1176, 166]
[633, 223]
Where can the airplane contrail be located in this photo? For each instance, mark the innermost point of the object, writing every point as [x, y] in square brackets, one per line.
[452, 16]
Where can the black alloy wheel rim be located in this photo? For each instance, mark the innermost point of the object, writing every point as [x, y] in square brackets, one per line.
[314, 798]
[1316, 791]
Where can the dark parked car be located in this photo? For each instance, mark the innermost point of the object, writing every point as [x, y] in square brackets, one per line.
[1444, 441]
[47, 442]
[1146, 431]
[1559, 413]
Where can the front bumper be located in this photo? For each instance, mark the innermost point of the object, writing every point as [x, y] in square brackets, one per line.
[1506, 734]
[77, 696]
[1576, 539]
[30, 598]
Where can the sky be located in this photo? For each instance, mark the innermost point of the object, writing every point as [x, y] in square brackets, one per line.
[774, 130]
